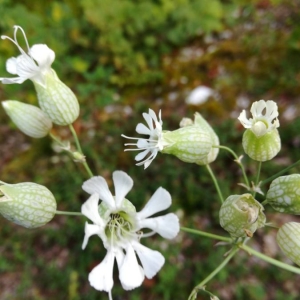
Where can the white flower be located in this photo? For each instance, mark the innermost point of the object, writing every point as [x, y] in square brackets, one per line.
[32, 64]
[263, 113]
[119, 226]
[151, 145]
[55, 98]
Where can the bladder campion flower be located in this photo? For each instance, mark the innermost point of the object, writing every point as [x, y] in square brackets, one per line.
[55, 98]
[27, 204]
[119, 226]
[30, 119]
[192, 143]
[261, 140]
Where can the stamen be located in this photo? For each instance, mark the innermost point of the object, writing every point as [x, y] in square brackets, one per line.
[25, 38]
[16, 43]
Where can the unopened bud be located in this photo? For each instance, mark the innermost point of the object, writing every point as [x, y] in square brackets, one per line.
[288, 239]
[28, 204]
[284, 194]
[30, 119]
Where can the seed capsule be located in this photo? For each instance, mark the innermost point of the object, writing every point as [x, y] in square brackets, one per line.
[241, 215]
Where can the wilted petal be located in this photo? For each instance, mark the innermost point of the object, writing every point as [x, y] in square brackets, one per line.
[101, 277]
[152, 261]
[167, 226]
[123, 184]
[159, 201]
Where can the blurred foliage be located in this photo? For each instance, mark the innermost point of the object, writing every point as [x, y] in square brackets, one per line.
[120, 58]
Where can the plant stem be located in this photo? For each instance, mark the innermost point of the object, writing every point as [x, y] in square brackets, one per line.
[280, 173]
[206, 234]
[68, 213]
[193, 294]
[86, 166]
[215, 182]
[237, 160]
[257, 176]
[270, 260]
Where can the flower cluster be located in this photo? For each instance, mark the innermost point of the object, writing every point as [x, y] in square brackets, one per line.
[119, 226]
[56, 100]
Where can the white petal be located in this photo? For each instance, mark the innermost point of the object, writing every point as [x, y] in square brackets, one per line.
[152, 261]
[130, 273]
[142, 155]
[142, 129]
[167, 226]
[12, 80]
[271, 110]
[123, 184]
[97, 184]
[257, 108]
[153, 115]
[43, 55]
[90, 209]
[101, 277]
[159, 201]
[142, 143]
[89, 230]
[149, 121]
[11, 65]
[243, 119]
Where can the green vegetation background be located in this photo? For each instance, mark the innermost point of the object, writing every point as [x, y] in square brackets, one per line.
[121, 57]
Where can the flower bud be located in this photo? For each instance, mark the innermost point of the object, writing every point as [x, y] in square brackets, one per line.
[261, 148]
[27, 204]
[284, 194]
[57, 100]
[241, 215]
[30, 119]
[288, 239]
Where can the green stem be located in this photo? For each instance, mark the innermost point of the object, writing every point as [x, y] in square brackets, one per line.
[68, 213]
[86, 166]
[280, 173]
[193, 294]
[257, 176]
[56, 140]
[237, 161]
[270, 260]
[215, 182]
[75, 138]
[206, 234]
